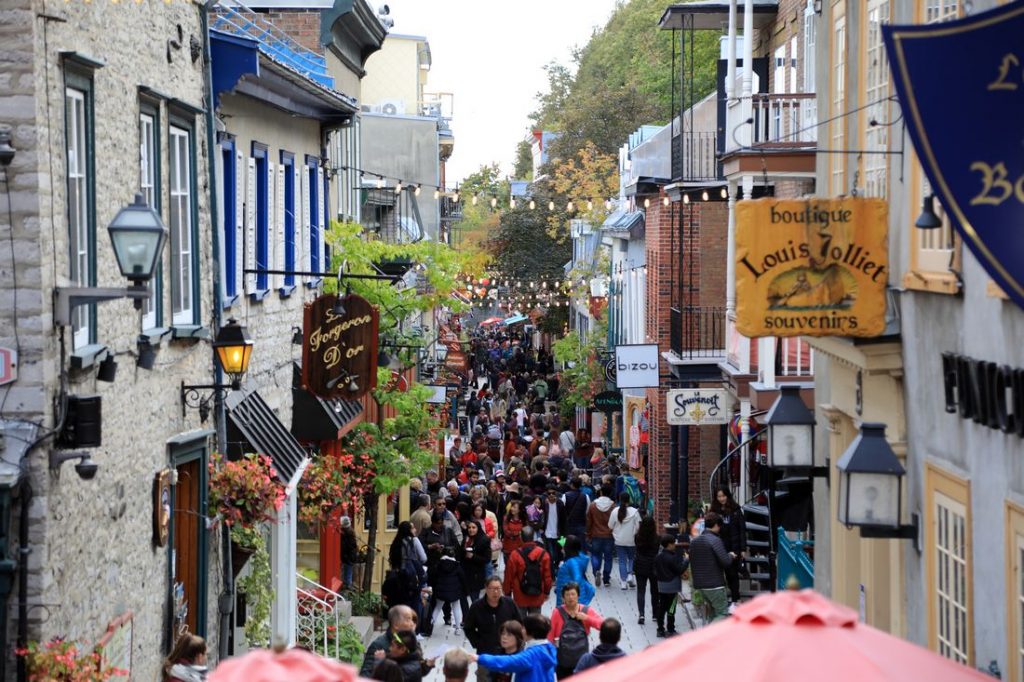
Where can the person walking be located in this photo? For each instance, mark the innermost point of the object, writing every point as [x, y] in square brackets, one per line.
[607, 650]
[535, 663]
[599, 535]
[709, 559]
[624, 522]
[449, 586]
[669, 567]
[456, 665]
[512, 637]
[420, 518]
[553, 524]
[349, 551]
[567, 442]
[734, 537]
[512, 530]
[187, 660]
[484, 620]
[576, 504]
[647, 545]
[574, 570]
[528, 574]
[476, 555]
[570, 629]
[399, 618]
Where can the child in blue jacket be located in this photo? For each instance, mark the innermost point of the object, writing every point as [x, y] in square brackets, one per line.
[535, 663]
[574, 570]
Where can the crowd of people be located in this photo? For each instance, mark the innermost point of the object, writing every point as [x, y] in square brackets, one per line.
[526, 505]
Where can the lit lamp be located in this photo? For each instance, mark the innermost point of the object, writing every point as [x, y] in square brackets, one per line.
[234, 349]
[137, 234]
[790, 430]
[870, 494]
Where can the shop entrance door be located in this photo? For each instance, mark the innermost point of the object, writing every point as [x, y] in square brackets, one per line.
[188, 563]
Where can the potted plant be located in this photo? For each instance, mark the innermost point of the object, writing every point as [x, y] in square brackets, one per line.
[243, 494]
[60, 660]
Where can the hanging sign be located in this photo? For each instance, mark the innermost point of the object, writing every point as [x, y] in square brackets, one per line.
[636, 365]
[608, 401]
[8, 365]
[811, 267]
[339, 352]
[697, 407]
[970, 151]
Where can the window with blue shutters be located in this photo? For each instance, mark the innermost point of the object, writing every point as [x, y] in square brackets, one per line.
[262, 263]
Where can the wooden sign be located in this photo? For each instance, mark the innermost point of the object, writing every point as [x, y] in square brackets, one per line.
[161, 507]
[116, 645]
[811, 267]
[339, 352]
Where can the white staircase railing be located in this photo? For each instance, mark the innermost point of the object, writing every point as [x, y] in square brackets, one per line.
[318, 617]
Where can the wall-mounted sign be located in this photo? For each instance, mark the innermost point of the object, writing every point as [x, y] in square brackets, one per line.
[636, 365]
[974, 169]
[339, 352]
[116, 645]
[608, 401]
[438, 396]
[811, 267]
[697, 406]
[8, 365]
[609, 370]
[992, 395]
[161, 507]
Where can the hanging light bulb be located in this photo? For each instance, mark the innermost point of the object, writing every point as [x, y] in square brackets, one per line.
[533, 204]
[664, 201]
[512, 202]
[417, 190]
[474, 200]
[590, 205]
[607, 204]
[568, 207]
[704, 195]
[551, 206]
[686, 198]
[647, 203]
[380, 183]
[725, 193]
[494, 202]
[455, 197]
[437, 193]
[398, 187]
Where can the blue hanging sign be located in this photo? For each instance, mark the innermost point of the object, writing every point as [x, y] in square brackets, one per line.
[961, 87]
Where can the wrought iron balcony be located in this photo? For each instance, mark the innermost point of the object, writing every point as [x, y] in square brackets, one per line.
[786, 120]
[697, 332]
[693, 157]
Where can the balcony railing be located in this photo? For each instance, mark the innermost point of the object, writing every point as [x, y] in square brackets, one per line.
[693, 157]
[697, 332]
[787, 119]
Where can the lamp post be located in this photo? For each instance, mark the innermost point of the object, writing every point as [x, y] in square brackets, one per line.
[233, 349]
[870, 491]
[137, 234]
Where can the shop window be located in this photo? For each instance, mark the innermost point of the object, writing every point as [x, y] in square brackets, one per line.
[948, 560]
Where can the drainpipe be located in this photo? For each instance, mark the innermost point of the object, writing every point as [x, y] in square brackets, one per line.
[226, 601]
[23, 552]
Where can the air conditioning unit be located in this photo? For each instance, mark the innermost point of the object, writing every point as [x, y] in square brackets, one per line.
[432, 109]
[392, 107]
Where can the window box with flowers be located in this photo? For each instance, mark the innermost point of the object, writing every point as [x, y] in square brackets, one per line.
[333, 486]
[60, 660]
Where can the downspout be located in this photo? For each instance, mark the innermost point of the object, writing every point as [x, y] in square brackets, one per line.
[23, 552]
[226, 601]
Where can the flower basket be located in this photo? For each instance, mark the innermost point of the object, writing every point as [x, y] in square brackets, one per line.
[240, 555]
[61, 659]
[245, 492]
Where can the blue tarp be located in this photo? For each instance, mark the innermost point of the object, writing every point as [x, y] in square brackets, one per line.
[515, 319]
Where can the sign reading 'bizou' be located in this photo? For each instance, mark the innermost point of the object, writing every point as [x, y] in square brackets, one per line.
[811, 267]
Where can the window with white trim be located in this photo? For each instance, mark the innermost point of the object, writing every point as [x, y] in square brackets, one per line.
[182, 238]
[315, 212]
[878, 114]
[81, 223]
[838, 171]
[149, 186]
[950, 557]
[262, 261]
[229, 212]
[809, 107]
[288, 161]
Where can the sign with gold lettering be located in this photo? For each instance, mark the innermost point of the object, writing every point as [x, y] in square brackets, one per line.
[811, 267]
[339, 351]
[961, 90]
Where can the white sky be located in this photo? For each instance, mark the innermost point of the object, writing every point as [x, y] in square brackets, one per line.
[490, 54]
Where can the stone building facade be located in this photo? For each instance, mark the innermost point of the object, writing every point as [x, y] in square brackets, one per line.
[104, 100]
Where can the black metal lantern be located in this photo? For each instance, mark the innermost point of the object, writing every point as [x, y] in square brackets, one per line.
[138, 235]
[790, 430]
[870, 491]
[234, 348]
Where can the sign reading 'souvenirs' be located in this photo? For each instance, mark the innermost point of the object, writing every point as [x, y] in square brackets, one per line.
[811, 267]
[339, 352]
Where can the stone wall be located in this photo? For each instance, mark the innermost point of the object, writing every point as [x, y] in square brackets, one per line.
[91, 552]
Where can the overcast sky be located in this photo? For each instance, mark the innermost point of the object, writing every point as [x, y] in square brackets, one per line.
[490, 54]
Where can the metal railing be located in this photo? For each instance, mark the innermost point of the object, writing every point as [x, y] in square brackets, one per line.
[793, 561]
[273, 42]
[318, 617]
[785, 119]
[693, 157]
[697, 332]
[721, 475]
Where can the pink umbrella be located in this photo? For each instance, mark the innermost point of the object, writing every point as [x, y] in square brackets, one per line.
[294, 665]
[793, 636]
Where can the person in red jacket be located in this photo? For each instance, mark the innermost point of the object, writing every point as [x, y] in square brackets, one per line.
[515, 568]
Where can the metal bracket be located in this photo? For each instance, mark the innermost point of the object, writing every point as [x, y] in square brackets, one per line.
[191, 397]
[66, 299]
[911, 531]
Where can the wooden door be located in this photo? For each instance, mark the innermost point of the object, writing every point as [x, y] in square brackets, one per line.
[187, 538]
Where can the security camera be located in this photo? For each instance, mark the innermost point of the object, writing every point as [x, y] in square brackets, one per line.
[86, 468]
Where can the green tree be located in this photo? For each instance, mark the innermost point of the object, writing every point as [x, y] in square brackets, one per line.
[523, 168]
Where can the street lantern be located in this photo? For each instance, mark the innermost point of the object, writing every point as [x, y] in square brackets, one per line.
[790, 430]
[869, 480]
[138, 235]
[234, 347]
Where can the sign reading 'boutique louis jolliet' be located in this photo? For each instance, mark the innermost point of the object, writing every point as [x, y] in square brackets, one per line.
[811, 267]
[339, 352]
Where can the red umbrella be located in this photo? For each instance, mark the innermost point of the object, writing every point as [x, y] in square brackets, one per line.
[492, 320]
[294, 665]
[793, 636]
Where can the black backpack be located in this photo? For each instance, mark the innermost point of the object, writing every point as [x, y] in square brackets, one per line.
[532, 581]
[572, 641]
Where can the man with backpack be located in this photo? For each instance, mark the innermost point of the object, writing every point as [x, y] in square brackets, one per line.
[570, 629]
[528, 574]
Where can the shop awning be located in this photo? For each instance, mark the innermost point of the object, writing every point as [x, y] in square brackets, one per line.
[316, 419]
[516, 319]
[253, 427]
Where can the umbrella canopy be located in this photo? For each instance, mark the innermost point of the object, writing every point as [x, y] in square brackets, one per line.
[793, 636]
[491, 320]
[295, 665]
[516, 319]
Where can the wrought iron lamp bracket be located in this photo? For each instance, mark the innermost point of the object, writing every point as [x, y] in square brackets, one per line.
[192, 396]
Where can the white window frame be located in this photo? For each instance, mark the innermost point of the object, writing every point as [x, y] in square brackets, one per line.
[149, 187]
[839, 39]
[951, 572]
[79, 241]
[877, 89]
[180, 225]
